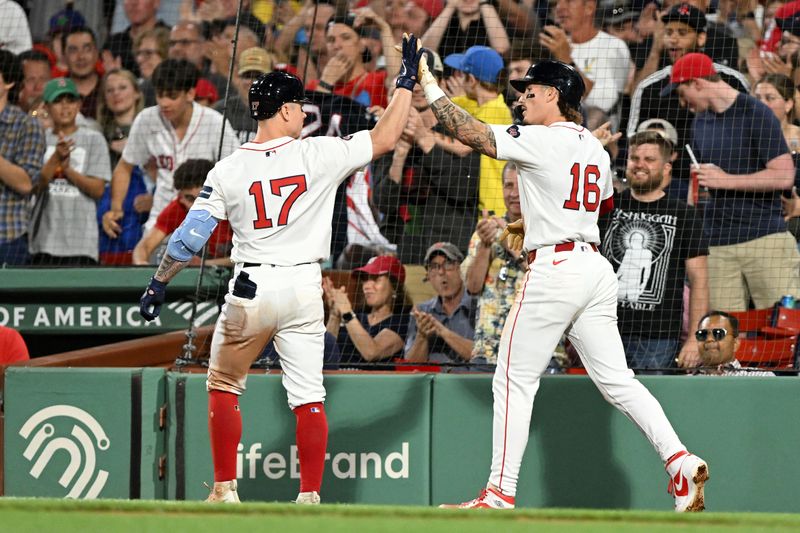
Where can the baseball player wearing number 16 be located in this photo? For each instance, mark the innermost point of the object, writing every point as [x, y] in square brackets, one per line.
[564, 184]
[277, 192]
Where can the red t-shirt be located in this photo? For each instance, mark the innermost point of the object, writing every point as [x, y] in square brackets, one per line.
[368, 89]
[172, 216]
[12, 346]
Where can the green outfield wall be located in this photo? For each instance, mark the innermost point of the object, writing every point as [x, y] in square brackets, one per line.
[413, 439]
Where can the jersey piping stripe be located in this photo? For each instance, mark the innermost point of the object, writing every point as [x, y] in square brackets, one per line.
[265, 149]
[568, 127]
[508, 366]
[186, 140]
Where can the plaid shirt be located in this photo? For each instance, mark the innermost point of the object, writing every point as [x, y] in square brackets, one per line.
[735, 368]
[22, 144]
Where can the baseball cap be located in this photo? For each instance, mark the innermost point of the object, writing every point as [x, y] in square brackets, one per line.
[384, 264]
[431, 7]
[255, 59]
[65, 20]
[619, 13]
[205, 90]
[662, 127]
[447, 249]
[481, 61]
[688, 14]
[58, 86]
[689, 67]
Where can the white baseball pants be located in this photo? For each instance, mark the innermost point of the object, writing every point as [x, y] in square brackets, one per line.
[574, 291]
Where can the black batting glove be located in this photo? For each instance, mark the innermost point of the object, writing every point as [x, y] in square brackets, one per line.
[151, 300]
[411, 53]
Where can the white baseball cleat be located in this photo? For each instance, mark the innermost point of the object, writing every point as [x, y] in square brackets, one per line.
[223, 492]
[687, 476]
[308, 498]
[489, 498]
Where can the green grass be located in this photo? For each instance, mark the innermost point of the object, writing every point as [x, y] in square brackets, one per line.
[45, 515]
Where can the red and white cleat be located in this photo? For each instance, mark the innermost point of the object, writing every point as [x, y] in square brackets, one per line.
[687, 476]
[489, 498]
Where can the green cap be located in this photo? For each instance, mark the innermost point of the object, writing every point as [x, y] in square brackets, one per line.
[57, 87]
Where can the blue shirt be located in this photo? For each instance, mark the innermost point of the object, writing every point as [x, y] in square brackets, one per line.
[21, 143]
[740, 140]
[462, 321]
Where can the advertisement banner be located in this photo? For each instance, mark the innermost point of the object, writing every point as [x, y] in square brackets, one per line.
[106, 317]
[582, 452]
[378, 447]
[68, 432]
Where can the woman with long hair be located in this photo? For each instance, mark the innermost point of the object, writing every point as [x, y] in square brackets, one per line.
[120, 101]
[376, 333]
[777, 92]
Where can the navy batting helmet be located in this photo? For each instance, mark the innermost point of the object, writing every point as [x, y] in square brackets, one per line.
[270, 91]
[564, 78]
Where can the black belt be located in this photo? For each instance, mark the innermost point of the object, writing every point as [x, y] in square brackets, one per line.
[249, 265]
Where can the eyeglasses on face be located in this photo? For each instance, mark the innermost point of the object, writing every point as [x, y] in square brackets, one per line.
[438, 268]
[716, 333]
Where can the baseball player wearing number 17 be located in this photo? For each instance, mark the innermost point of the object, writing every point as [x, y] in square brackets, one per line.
[277, 192]
[564, 184]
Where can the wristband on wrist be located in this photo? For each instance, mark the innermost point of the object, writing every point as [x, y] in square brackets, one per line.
[433, 92]
[325, 85]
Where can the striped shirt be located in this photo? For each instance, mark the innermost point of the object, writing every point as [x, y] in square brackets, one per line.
[735, 368]
[21, 143]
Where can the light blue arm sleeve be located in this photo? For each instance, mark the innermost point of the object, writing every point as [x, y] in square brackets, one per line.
[191, 235]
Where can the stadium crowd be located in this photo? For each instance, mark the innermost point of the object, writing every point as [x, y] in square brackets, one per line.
[112, 113]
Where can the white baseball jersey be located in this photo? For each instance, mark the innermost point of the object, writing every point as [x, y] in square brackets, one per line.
[279, 195]
[564, 175]
[152, 136]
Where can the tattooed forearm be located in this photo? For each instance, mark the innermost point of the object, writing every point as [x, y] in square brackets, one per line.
[465, 127]
[169, 267]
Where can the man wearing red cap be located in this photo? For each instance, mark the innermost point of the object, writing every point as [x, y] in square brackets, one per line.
[745, 163]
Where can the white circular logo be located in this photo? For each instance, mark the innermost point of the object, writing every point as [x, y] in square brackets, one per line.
[82, 478]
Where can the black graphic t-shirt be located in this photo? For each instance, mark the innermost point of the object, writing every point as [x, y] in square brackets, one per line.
[648, 245]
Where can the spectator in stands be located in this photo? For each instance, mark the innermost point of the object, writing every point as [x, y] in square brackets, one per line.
[142, 15]
[717, 339]
[475, 87]
[494, 272]
[720, 45]
[35, 73]
[522, 55]
[655, 242]
[219, 48]
[22, 147]
[121, 100]
[189, 179]
[412, 16]
[377, 335]
[603, 61]
[307, 29]
[344, 73]
[745, 163]
[12, 347]
[253, 62]
[776, 91]
[620, 21]
[442, 328]
[63, 229]
[61, 24]
[684, 33]
[422, 182]
[80, 51]
[15, 34]
[465, 23]
[175, 130]
[186, 42]
[150, 48]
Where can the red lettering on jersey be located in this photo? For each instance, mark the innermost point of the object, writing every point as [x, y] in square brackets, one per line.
[257, 191]
[591, 190]
[165, 161]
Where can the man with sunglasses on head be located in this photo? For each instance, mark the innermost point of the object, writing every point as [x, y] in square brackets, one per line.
[442, 328]
[717, 338]
[188, 179]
